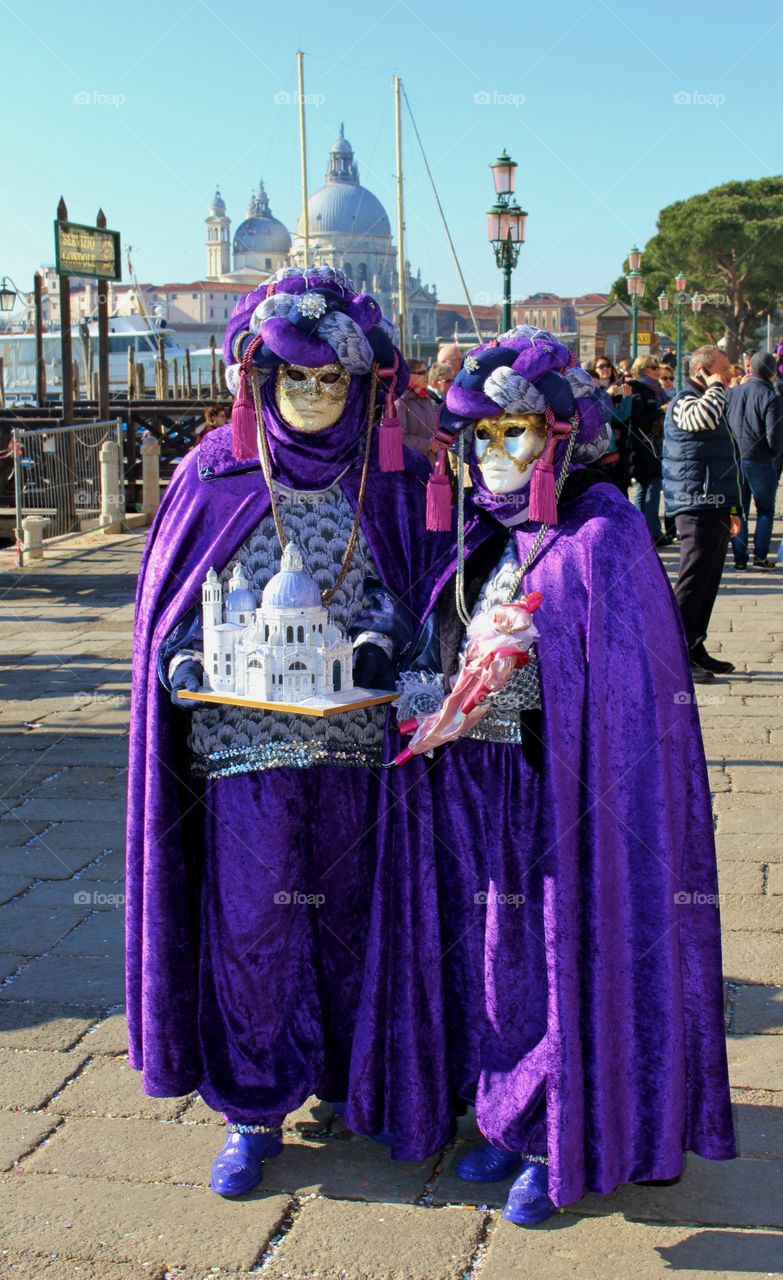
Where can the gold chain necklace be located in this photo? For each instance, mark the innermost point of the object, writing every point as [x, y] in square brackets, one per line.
[266, 466]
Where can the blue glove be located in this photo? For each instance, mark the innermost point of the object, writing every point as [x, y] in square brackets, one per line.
[188, 675]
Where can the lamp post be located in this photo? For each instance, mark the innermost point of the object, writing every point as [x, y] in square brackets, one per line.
[635, 284]
[8, 296]
[681, 299]
[505, 226]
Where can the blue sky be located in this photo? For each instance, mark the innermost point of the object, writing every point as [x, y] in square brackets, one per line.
[611, 110]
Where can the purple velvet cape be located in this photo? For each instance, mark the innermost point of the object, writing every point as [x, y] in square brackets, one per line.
[635, 1058]
[202, 522]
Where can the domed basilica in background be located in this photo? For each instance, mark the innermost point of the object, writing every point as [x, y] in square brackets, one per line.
[349, 228]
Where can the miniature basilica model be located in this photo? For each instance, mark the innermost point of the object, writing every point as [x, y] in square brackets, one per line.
[284, 651]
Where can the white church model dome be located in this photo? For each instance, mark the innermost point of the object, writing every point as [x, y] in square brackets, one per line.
[292, 587]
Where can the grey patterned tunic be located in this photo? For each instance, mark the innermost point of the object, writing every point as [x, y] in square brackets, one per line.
[229, 740]
[523, 692]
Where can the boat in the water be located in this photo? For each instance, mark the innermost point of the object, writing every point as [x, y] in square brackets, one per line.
[126, 333]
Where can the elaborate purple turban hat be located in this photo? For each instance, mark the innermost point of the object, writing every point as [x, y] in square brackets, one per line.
[528, 371]
[311, 316]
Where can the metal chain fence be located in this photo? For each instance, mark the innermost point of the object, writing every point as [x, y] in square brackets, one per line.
[67, 480]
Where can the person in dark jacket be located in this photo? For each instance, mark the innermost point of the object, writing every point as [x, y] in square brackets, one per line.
[644, 445]
[702, 491]
[755, 413]
[417, 414]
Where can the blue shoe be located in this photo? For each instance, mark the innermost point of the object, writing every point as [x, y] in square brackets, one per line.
[488, 1164]
[239, 1166]
[528, 1200]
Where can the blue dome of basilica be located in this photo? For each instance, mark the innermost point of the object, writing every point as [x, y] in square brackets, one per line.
[260, 231]
[343, 206]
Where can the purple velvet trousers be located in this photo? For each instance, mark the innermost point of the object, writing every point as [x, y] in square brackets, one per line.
[289, 860]
[490, 871]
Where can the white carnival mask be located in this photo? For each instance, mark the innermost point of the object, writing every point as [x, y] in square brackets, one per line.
[311, 399]
[507, 448]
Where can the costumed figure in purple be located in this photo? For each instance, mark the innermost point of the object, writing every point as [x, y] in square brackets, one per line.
[577, 907]
[253, 834]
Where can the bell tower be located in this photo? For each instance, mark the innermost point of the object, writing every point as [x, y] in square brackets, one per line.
[218, 238]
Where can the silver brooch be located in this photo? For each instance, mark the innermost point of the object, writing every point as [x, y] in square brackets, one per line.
[312, 305]
[471, 364]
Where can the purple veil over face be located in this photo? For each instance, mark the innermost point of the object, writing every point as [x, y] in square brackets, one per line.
[315, 459]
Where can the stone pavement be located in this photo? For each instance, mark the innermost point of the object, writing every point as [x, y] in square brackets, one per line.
[101, 1183]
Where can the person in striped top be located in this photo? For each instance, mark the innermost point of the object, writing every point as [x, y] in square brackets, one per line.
[702, 492]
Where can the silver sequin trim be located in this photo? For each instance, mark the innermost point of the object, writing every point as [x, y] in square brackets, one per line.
[281, 755]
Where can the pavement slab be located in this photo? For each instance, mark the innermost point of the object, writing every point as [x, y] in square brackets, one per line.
[758, 1011]
[568, 1248]
[729, 1193]
[94, 981]
[28, 1079]
[27, 930]
[12, 886]
[20, 1133]
[129, 1222]
[110, 1087]
[110, 1036]
[41, 1025]
[332, 1240]
[755, 1062]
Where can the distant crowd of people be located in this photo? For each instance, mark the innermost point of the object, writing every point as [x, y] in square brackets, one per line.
[710, 450]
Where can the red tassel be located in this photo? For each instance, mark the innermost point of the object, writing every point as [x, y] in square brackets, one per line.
[390, 452]
[244, 439]
[439, 496]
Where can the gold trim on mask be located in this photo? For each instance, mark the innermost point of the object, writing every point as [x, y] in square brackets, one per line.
[311, 399]
[499, 429]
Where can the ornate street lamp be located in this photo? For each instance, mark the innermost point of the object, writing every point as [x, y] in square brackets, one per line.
[635, 283]
[681, 299]
[8, 294]
[505, 226]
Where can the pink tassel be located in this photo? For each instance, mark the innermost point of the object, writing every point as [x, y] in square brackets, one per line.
[244, 441]
[543, 506]
[543, 503]
[390, 438]
[439, 496]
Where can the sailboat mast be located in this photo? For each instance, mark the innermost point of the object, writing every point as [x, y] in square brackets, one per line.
[402, 306]
[303, 155]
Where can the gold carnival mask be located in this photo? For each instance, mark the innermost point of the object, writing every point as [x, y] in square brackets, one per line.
[311, 399]
[506, 448]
